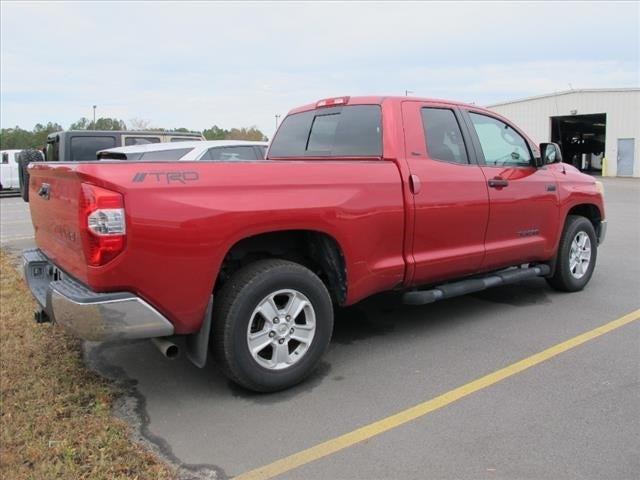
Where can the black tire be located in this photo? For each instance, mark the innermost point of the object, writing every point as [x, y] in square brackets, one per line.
[233, 309]
[25, 157]
[563, 279]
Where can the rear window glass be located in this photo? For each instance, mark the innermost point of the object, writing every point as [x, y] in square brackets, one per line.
[230, 153]
[351, 131]
[85, 148]
[185, 139]
[141, 140]
[176, 154]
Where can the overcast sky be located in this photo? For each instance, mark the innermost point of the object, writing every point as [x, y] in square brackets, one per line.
[238, 64]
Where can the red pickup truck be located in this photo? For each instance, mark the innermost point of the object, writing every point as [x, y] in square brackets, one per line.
[356, 196]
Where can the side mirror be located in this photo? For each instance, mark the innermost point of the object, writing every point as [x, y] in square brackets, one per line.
[550, 153]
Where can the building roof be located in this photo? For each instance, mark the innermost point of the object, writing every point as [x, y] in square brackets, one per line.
[566, 92]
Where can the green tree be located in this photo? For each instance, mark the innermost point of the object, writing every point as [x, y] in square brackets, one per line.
[101, 124]
[251, 133]
[82, 124]
[215, 133]
[40, 132]
[19, 139]
[109, 124]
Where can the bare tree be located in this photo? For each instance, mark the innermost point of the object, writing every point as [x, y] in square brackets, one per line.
[139, 124]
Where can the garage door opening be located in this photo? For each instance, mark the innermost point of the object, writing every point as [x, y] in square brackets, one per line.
[581, 139]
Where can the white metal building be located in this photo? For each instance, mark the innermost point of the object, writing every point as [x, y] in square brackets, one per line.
[598, 129]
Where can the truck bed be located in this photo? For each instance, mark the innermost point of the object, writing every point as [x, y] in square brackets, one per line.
[182, 218]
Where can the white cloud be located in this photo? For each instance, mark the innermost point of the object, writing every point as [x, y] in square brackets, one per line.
[232, 64]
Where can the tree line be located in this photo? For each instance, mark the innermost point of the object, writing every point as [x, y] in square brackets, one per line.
[18, 138]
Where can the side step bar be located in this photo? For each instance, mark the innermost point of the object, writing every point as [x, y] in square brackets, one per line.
[449, 290]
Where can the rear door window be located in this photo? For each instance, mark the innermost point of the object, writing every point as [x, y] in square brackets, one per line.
[350, 131]
[230, 153]
[162, 155]
[443, 136]
[84, 148]
[185, 139]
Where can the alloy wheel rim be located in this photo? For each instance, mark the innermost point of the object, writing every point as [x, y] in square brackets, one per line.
[281, 329]
[580, 255]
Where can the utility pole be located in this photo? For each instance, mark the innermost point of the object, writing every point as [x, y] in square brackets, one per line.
[94, 116]
[277, 118]
[407, 92]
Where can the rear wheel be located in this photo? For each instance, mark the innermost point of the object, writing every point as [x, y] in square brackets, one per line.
[576, 255]
[272, 323]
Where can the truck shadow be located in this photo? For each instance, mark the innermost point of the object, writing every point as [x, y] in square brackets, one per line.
[377, 320]
[157, 389]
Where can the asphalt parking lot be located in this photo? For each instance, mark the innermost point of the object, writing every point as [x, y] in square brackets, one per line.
[575, 415]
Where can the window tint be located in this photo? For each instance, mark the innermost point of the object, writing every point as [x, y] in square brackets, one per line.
[5, 158]
[443, 136]
[185, 139]
[85, 148]
[230, 153]
[501, 144]
[175, 154]
[351, 131]
[141, 140]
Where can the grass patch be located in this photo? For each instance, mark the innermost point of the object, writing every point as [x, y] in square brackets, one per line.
[55, 414]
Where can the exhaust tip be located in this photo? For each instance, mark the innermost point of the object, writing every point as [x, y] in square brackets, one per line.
[166, 347]
[172, 352]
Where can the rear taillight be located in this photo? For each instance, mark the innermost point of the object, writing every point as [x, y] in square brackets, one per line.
[102, 223]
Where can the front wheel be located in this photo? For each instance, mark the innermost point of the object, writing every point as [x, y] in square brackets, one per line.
[576, 255]
[272, 323]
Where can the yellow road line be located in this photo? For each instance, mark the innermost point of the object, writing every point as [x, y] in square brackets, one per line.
[376, 428]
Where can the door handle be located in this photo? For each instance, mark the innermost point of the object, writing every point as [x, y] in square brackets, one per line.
[498, 182]
[414, 184]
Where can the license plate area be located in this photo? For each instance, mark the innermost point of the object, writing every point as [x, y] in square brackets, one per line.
[39, 272]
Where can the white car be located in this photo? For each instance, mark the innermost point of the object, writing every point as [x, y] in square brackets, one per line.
[222, 150]
[9, 169]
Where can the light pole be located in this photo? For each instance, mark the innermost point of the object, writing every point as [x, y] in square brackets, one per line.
[94, 116]
[277, 118]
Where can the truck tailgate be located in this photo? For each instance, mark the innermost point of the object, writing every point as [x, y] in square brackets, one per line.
[54, 197]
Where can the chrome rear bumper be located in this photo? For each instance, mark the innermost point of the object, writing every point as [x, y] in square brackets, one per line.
[88, 314]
